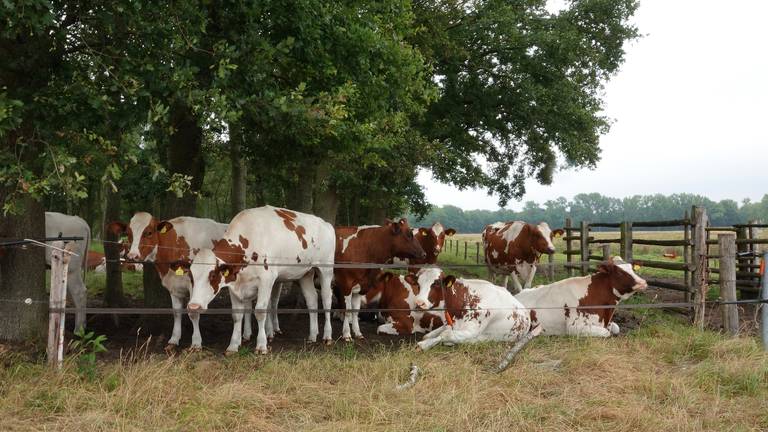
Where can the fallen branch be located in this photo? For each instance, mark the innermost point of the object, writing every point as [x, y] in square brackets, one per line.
[517, 347]
[415, 372]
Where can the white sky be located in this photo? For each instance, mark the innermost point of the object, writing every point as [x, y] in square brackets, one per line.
[691, 92]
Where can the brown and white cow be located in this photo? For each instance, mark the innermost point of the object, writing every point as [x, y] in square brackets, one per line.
[561, 308]
[260, 247]
[474, 310]
[368, 244]
[172, 245]
[432, 240]
[514, 248]
[97, 262]
[407, 312]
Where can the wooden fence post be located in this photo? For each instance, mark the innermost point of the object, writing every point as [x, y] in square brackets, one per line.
[457, 248]
[551, 268]
[568, 259]
[687, 256]
[465, 251]
[727, 246]
[606, 252]
[477, 254]
[584, 244]
[626, 241]
[700, 272]
[57, 300]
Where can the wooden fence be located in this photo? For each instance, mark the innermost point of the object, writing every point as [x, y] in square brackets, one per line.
[747, 261]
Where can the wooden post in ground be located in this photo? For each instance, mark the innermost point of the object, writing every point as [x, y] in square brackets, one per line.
[727, 246]
[477, 253]
[687, 256]
[584, 245]
[700, 271]
[465, 251]
[606, 252]
[568, 256]
[551, 268]
[57, 300]
[626, 241]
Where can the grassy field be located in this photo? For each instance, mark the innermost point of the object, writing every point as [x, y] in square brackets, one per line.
[663, 376]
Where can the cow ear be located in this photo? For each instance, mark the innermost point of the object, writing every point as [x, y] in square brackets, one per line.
[117, 228]
[558, 232]
[450, 231]
[423, 232]
[448, 281]
[164, 226]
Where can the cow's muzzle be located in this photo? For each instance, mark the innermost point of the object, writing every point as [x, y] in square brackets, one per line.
[423, 305]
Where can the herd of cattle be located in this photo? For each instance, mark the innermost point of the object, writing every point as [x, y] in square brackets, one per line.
[261, 248]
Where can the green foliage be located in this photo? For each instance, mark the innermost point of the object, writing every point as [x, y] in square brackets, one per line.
[87, 345]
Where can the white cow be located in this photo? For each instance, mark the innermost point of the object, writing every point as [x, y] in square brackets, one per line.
[476, 310]
[71, 226]
[561, 308]
[172, 245]
[262, 246]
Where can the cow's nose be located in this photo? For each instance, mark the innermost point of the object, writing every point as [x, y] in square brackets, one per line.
[551, 250]
[641, 286]
[421, 304]
[193, 307]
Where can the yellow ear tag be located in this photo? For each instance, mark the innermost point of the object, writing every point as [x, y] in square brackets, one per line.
[636, 267]
[163, 229]
[558, 235]
[424, 234]
[179, 271]
[226, 273]
[450, 284]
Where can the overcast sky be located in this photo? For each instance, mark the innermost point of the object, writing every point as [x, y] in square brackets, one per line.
[691, 93]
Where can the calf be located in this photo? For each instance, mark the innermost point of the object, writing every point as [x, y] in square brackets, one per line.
[513, 248]
[98, 263]
[171, 245]
[400, 294]
[368, 244]
[72, 226]
[260, 247]
[475, 311]
[561, 308]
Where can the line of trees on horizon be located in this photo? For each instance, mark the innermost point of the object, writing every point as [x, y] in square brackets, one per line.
[594, 207]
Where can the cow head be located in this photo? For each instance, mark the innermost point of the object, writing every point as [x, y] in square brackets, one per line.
[142, 237]
[404, 243]
[432, 239]
[213, 269]
[427, 287]
[622, 277]
[119, 229]
[541, 236]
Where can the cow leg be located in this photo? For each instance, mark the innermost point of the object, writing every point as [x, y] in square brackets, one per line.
[76, 291]
[589, 330]
[435, 333]
[307, 284]
[326, 294]
[467, 333]
[273, 304]
[262, 303]
[197, 339]
[614, 328]
[173, 342]
[529, 279]
[268, 327]
[345, 333]
[505, 281]
[388, 328]
[356, 303]
[516, 286]
[237, 325]
[247, 324]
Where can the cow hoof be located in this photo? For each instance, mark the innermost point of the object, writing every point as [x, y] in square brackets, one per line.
[347, 338]
[262, 351]
[193, 349]
[229, 353]
[360, 337]
[246, 338]
[418, 348]
[278, 332]
[328, 342]
[170, 349]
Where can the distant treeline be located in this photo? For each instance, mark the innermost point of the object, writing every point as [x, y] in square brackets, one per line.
[595, 207]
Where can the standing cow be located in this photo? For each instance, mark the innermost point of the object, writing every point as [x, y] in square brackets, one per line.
[72, 226]
[514, 248]
[475, 310]
[562, 308]
[260, 247]
[368, 244]
[171, 245]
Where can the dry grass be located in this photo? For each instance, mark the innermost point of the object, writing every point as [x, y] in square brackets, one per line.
[665, 376]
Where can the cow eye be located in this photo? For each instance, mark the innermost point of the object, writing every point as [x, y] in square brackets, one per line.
[148, 234]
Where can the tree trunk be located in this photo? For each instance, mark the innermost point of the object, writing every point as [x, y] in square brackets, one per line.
[113, 292]
[327, 201]
[300, 197]
[239, 173]
[22, 275]
[184, 156]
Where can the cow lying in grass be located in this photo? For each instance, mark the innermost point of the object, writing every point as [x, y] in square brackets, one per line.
[561, 308]
[475, 310]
